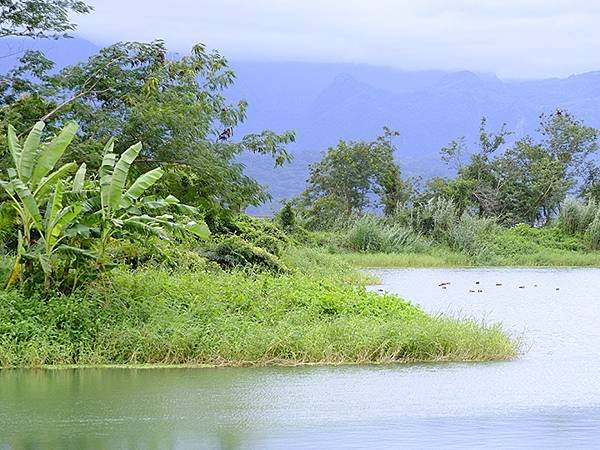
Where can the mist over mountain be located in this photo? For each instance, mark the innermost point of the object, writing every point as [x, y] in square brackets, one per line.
[326, 102]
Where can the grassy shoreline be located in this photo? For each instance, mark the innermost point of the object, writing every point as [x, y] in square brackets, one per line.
[458, 260]
[318, 314]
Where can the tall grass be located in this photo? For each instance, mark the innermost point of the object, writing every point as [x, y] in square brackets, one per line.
[576, 216]
[234, 318]
[441, 221]
[371, 234]
[593, 232]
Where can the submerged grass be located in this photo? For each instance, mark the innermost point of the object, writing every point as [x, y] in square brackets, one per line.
[319, 314]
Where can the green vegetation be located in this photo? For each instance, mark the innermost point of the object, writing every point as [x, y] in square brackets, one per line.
[123, 238]
[463, 242]
[94, 275]
[211, 316]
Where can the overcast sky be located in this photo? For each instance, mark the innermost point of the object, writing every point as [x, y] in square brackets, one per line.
[512, 38]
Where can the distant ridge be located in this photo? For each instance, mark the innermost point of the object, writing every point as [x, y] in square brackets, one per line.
[326, 102]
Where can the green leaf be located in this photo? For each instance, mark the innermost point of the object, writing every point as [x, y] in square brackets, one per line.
[52, 152]
[108, 161]
[45, 263]
[8, 187]
[141, 185]
[74, 251]
[47, 183]
[64, 218]
[79, 179]
[144, 225]
[106, 170]
[31, 148]
[14, 146]
[29, 203]
[120, 173]
[200, 229]
[54, 205]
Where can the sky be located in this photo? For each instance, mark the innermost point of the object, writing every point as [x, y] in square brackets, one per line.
[515, 39]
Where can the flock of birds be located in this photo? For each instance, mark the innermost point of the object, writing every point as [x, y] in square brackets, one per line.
[445, 284]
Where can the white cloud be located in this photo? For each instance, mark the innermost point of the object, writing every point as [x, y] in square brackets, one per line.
[513, 38]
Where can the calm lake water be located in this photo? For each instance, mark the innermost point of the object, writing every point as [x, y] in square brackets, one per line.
[548, 398]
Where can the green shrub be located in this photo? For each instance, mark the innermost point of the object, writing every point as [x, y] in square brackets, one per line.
[156, 252]
[468, 236]
[233, 251]
[8, 225]
[261, 233]
[286, 217]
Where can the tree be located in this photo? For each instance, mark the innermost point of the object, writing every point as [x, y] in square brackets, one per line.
[476, 184]
[134, 92]
[530, 179]
[39, 18]
[352, 177]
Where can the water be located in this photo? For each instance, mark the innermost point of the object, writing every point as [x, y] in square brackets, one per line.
[548, 398]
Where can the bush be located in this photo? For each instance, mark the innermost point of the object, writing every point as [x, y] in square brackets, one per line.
[233, 251]
[286, 217]
[523, 239]
[156, 252]
[261, 233]
[468, 236]
[8, 225]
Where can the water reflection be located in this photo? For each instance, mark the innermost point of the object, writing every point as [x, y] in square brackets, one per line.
[549, 398]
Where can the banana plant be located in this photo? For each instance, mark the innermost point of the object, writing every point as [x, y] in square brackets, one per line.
[122, 207]
[57, 223]
[32, 178]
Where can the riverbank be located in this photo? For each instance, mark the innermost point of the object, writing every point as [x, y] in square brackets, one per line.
[368, 246]
[319, 313]
[448, 259]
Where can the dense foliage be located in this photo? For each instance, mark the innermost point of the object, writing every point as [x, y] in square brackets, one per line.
[136, 92]
[345, 182]
[234, 318]
[64, 220]
[38, 18]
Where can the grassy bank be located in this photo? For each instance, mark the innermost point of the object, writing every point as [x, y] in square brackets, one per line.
[371, 242]
[152, 316]
[543, 258]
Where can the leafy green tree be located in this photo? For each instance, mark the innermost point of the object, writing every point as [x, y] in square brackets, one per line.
[39, 18]
[286, 217]
[476, 183]
[175, 106]
[352, 177]
[529, 180]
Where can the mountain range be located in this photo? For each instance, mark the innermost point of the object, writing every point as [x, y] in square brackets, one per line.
[328, 102]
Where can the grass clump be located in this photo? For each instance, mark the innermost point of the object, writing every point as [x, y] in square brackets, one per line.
[370, 234]
[237, 317]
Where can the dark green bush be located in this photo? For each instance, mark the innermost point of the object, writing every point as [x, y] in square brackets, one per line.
[233, 251]
[286, 217]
